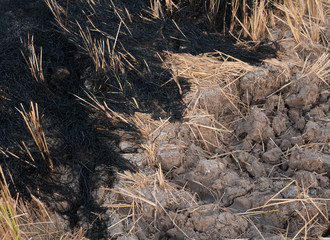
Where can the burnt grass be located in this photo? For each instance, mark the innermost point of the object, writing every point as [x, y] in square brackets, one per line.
[81, 139]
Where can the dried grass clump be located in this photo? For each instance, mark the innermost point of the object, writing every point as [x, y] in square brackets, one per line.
[33, 123]
[253, 19]
[306, 19]
[213, 101]
[93, 40]
[8, 212]
[139, 197]
[319, 68]
[156, 8]
[209, 71]
[29, 220]
[34, 60]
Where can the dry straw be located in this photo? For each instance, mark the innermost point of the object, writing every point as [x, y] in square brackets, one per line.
[34, 61]
[315, 209]
[29, 220]
[136, 193]
[32, 121]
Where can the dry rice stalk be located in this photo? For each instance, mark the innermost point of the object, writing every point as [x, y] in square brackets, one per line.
[101, 50]
[103, 56]
[33, 123]
[150, 130]
[321, 68]
[9, 228]
[205, 66]
[58, 11]
[319, 206]
[304, 18]
[210, 70]
[156, 8]
[34, 61]
[29, 220]
[104, 108]
[254, 20]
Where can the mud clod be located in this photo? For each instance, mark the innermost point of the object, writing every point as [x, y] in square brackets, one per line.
[237, 226]
[204, 218]
[256, 126]
[305, 98]
[170, 156]
[273, 156]
[306, 179]
[309, 160]
[312, 131]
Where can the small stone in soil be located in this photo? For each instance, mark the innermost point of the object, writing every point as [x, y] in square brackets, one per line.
[127, 147]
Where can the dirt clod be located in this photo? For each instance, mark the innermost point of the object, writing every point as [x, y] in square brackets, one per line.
[306, 179]
[238, 225]
[255, 126]
[307, 95]
[205, 217]
[312, 131]
[309, 160]
[273, 156]
[170, 156]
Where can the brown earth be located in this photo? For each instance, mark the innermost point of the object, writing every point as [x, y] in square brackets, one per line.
[195, 136]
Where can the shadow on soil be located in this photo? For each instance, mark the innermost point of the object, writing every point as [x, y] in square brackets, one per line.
[80, 140]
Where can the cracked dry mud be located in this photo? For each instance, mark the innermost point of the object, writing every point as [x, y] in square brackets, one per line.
[206, 142]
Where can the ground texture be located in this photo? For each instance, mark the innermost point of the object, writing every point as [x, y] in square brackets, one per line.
[160, 126]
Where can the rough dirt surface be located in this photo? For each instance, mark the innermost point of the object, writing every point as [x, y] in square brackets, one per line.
[182, 152]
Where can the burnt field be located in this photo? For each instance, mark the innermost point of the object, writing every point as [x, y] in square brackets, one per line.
[164, 119]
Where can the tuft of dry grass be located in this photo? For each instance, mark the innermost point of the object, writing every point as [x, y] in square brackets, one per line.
[29, 220]
[254, 20]
[150, 130]
[8, 212]
[102, 54]
[208, 71]
[320, 68]
[305, 19]
[107, 61]
[34, 60]
[32, 121]
[156, 8]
